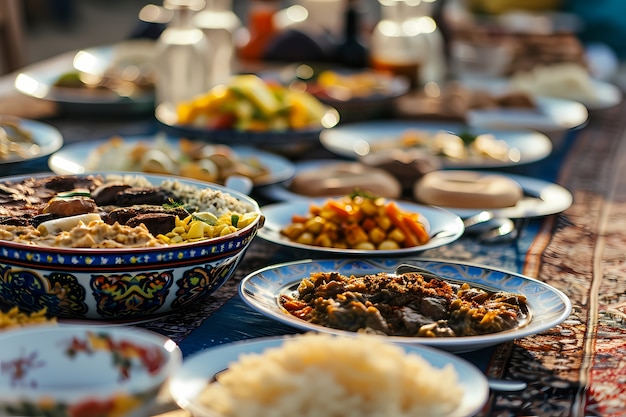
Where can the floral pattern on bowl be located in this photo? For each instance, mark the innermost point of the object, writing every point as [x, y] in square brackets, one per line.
[74, 371]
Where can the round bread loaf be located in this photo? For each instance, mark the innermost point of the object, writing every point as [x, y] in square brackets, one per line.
[344, 178]
[467, 189]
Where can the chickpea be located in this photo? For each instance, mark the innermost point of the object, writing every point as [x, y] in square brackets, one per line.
[315, 225]
[305, 238]
[377, 235]
[355, 235]
[293, 231]
[323, 240]
[396, 235]
[384, 222]
[369, 207]
[388, 245]
[365, 246]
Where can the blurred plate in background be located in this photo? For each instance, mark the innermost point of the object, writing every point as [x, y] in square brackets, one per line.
[40, 80]
[77, 158]
[33, 140]
[359, 139]
[285, 142]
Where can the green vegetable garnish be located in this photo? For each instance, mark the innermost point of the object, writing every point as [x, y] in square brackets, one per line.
[467, 137]
[74, 193]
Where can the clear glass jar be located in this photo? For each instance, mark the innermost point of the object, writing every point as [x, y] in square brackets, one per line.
[181, 55]
[220, 25]
[407, 42]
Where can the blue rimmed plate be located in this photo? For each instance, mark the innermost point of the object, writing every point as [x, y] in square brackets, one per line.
[261, 290]
[199, 369]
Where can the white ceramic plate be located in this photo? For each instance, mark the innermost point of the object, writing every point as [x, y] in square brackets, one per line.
[608, 95]
[551, 115]
[541, 198]
[353, 141]
[443, 226]
[46, 137]
[198, 370]
[71, 159]
[37, 80]
[261, 291]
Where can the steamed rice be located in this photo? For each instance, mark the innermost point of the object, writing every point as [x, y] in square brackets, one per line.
[323, 375]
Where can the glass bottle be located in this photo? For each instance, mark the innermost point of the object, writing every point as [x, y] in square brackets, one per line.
[261, 28]
[406, 42]
[351, 52]
[181, 54]
[220, 25]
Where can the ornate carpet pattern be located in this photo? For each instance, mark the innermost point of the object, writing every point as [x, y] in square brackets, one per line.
[577, 369]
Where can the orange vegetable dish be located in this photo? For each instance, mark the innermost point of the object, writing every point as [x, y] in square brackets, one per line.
[358, 221]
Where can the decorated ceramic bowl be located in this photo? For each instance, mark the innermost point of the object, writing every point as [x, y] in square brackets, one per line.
[108, 272]
[69, 370]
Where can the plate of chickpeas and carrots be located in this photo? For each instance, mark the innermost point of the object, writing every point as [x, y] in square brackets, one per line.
[359, 224]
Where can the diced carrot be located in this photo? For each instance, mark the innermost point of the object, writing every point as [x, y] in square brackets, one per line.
[417, 228]
[397, 218]
[299, 218]
[338, 208]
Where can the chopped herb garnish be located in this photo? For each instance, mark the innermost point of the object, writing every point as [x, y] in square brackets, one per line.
[363, 194]
[75, 193]
[467, 137]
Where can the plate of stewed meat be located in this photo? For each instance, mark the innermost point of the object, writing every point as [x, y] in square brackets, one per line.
[454, 306]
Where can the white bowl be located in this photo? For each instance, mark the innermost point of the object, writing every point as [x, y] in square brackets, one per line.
[68, 370]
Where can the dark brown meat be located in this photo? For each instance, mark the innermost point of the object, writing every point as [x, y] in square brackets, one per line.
[106, 194]
[123, 215]
[68, 183]
[157, 223]
[136, 196]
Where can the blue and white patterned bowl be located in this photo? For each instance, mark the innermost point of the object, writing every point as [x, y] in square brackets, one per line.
[69, 370]
[122, 284]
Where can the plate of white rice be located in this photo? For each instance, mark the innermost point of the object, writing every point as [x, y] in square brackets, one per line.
[315, 374]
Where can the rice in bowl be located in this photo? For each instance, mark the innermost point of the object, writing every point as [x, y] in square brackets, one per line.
[324, 375]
